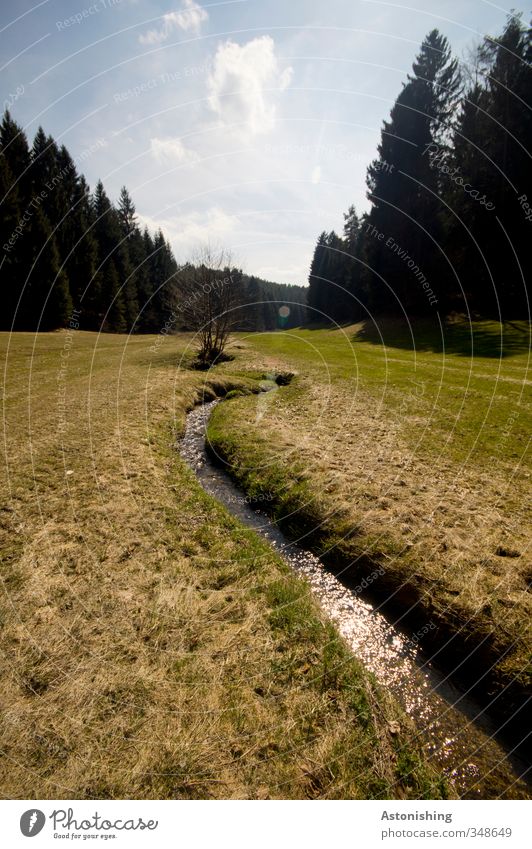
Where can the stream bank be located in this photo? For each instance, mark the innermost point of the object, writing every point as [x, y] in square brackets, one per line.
[456, 731]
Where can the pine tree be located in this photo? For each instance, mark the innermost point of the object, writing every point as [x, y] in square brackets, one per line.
[46, 178]
[10, 267]
[113, 263]
[403, 187]
[96, 254]
[15, 148]
[509, 146]
[351, 228]
[316, 285]
[491, 155]
[115, 318]
[126, 212]
[355, 303]
[80, 254]
[163, 269]
[46, 301]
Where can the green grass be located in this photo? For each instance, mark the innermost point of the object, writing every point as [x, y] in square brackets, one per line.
[465, 396]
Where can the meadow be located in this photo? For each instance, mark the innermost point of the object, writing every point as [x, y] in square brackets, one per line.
[153, 647]
[405, 446]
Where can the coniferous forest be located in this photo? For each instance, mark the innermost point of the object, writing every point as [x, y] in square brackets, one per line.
[450, 190]
[68, 249]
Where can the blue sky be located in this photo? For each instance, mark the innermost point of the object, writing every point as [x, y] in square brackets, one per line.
[249, 123]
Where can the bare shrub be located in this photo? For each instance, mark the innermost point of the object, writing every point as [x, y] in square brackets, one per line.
[209, 294]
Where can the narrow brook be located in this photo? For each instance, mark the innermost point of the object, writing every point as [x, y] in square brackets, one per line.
[454, 730]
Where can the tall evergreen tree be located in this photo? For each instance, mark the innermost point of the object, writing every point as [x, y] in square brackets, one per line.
[491, 151]
[15, 148]
[79, 249]
[316, 285]
[10, 267]
[403, 188]
[115, 319]
[113, 263]
[126, 212]
[46, 301]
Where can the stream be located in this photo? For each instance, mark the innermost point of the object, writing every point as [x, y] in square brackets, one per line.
[455, 731]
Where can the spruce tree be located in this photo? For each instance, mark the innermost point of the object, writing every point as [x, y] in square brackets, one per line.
[404, 188]
[10, 265]
[15, 148]
[115, 319]
[491, 158]
[126, 212]
[46, 301]
[112, 261]
[316, 283]
[80, 254]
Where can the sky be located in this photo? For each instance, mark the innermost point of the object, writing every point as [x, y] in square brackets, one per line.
[247, 124]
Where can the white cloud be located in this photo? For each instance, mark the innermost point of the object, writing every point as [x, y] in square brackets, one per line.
[209, 226]
[315, 176]
[284, 273]
[172, 150]
[187, 231]
[238, 81]
[189, 17]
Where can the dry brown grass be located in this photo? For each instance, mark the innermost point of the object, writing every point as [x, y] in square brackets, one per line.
[457, 532]
[152, 647]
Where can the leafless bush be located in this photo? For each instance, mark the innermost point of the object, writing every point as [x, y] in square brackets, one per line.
[208, 295]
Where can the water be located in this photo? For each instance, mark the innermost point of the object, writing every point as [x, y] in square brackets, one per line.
[453, 728]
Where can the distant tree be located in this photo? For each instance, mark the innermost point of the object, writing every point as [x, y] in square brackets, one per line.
[126, 212]
[329, 296]
[355, 279]
[15, 198]
[351, 228]
[163, 274]
[254, 298]
[315, 297]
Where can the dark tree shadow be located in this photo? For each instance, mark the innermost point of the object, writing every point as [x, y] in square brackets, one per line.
[481, 338]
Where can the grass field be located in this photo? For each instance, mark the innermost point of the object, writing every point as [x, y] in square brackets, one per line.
[407, 447]
[152, 646]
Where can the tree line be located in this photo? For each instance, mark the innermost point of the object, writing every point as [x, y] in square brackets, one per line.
[66, 248]
[450, 191]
